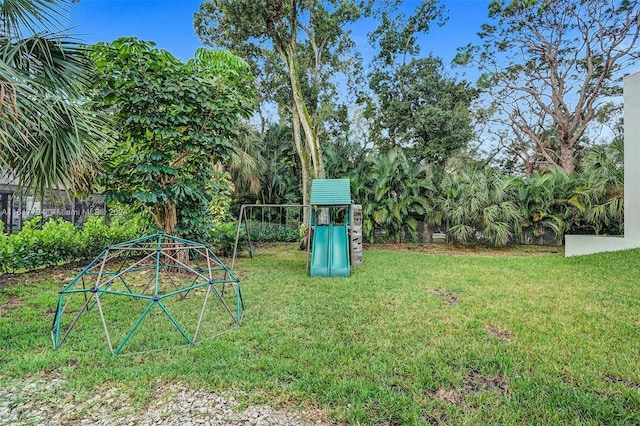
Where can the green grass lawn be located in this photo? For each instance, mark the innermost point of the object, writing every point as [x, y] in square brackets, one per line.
[409, 338]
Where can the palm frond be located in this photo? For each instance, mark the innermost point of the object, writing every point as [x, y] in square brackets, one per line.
[48, 139]
[20, 16]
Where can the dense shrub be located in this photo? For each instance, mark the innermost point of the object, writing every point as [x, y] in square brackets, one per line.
[223, 236]
[57, 241]
[273, 232]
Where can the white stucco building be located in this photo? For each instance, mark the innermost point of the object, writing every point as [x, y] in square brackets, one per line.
[577, 245]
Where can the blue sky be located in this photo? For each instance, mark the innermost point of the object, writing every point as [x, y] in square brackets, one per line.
[170, 24]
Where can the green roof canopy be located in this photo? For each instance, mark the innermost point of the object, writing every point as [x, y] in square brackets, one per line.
[330, 192]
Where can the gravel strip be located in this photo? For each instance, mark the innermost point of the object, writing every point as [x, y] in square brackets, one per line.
[40, 402]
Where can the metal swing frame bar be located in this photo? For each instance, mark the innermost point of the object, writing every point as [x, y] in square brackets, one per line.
[242, 216]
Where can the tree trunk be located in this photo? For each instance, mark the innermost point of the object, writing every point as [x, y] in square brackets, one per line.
[308, 149]
[304, 162]
[170, 218]
[567, 158]
[180, 254]
[311, 138]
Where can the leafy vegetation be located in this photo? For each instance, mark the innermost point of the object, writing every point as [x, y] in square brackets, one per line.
[500, 337]
[273, 232]
[174, 122]
[550, 69]
[604, 187]
[416, 106]
[57, 241]
[299, 47]
[223, 237]
[477, 204]
[47, 137]
[473, 202]
[396, 195]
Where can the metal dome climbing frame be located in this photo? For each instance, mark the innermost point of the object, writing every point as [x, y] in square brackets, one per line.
[173, 276]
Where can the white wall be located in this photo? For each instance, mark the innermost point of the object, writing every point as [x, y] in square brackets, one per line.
[577, 245]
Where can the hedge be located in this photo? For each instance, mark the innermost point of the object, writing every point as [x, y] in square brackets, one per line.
[57, 241]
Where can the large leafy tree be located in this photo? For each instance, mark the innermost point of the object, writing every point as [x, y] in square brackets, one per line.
[417, 107]
[550, 66]
[306, 40]
[175, 121]
[47, 138]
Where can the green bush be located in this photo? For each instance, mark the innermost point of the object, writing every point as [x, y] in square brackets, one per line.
[57, 241]
[94, 236]
[273, 232]
[224, 238]
[223, 235]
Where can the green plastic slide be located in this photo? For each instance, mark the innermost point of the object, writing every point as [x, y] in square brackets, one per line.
[330, 251]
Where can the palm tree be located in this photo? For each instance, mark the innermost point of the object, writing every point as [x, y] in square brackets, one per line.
[399, 196]
[245, 163]
[48, 138]
[546, 203]
[603, 169]
[281, 176]
[343, 157]
[478, 206]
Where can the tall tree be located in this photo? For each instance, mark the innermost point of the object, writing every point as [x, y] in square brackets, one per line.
[422, 111]
[417, 107]
[549, 65]
[256, 29]
[175, 121]
[47, 138]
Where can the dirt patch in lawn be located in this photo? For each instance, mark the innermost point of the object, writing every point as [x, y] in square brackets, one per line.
[475, 382]
[446, 295]
[12, 302]
[627, 383]
[58, 274]
[503, 335]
